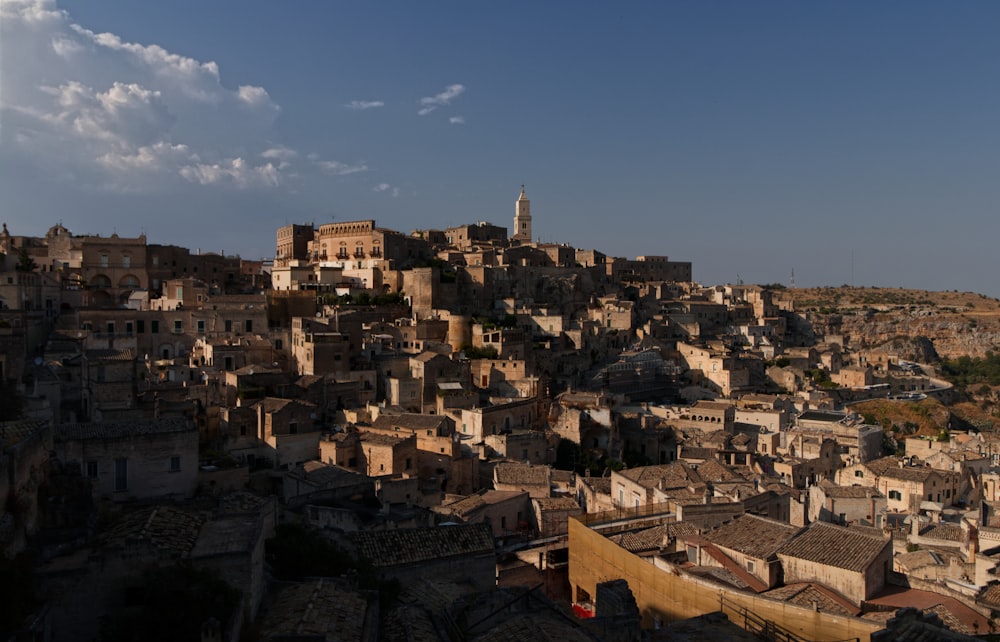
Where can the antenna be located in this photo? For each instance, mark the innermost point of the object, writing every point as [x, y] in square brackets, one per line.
[792, 284]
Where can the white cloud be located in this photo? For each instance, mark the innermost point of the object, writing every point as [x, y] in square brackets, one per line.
[386, 187]
[233, 170]
[457, 120]
[122, 115]
[279, 152]
[430, 103]
[336, 168]
[362, 105]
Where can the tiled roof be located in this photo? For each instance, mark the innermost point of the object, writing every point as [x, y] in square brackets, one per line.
[917, 559]
[241, 502]
[598, 484]
[322, 474]
[949, 532]
[227, 535]
[117, 430]
[713, 470]
[836, 546]
[110, 355]
[169, 530]
[468, 505]
[674, 475]
[379, 439]
[649, 539]
[409, 623]
[12, 432]
[848, 492]
[990, 596]
[556, 503]
[890, 467]
[515, 473]
[409, 421]
[752, 535]
[316, 610]
[814, 595]
[412, 545]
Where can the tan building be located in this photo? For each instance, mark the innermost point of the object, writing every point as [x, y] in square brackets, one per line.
[855, 562]
[536, 480]
[747, 544]
[845, 505]
[904, 486]
[636, 487]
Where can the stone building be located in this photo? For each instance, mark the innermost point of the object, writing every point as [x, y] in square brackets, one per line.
[522, 219]
[140, 459]
[855, 562]
[460, 553]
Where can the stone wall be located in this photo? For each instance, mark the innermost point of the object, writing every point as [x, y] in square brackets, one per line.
[660, 593]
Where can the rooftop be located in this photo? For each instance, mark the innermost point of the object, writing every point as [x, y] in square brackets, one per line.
[523, 474]
[120, 429]
[412, 545]
[753, 536]
[837, 546]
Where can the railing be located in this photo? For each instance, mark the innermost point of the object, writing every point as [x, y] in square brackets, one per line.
[762, 628]
[619, 514]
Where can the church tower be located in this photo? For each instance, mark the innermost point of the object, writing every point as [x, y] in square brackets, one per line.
[522, 218]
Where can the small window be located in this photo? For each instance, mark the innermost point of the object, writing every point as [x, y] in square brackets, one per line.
[859, 473]
[121, 475]
[92, 469]
[175, 464]
[154, 326]
[177, 326]
[201, 325]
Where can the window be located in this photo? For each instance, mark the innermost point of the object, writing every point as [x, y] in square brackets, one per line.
[293, 427]
[177, 326]
[126, 261]
[249, 325]
[104, 260]
[92, 469]
[229, 325]
[409, 463]
[859, 473]
[750, 566]
[154, 326]
[895, 494]
[121, 475]
[201, 325]
[175, 464]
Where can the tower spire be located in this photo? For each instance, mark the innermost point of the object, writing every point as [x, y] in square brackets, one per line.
[522, 218]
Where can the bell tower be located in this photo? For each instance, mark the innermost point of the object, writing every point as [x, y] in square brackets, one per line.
[522, 218]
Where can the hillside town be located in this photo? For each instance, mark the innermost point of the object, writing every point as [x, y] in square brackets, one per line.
[463, 434]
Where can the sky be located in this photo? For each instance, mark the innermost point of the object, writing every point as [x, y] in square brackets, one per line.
[848, 143]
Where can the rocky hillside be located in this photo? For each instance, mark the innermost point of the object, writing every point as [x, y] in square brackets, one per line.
[916, 324]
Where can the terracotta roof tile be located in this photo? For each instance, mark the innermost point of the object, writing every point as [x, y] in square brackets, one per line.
[836, 546]
[411, 545]
[753, 536]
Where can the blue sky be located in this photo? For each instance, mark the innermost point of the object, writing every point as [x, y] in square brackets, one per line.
[751, 138]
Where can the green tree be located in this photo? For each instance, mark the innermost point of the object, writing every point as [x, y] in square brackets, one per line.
[24, 261]
[168, 604]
